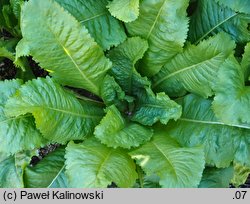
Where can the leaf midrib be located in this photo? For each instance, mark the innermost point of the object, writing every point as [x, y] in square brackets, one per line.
[14, 118]
[57, 175]
[94, 16]
[95, 88]
[163, 106]
[18, 172]
[66, 112]
[102, 164]
[156, 19]
[103, 13]
[216, 26]
[162, 152]
[179, 71]
[213, 123]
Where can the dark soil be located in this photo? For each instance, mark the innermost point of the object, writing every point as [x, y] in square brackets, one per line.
[7, 69]
[43, 152]
[112, 185]
[5, 34]
[34, 160]
[191, 8]
[85, 93]
[36, 69]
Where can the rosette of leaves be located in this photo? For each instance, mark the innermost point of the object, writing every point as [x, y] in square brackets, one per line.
[137, 93]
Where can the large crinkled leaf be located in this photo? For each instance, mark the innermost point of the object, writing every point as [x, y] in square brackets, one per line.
[124, 58]
[49, 172]
[58, 114]
[104, 28]
[192, 71]
[124, 10]
[16, 133]
[177, 167]
[245, 63]
[93, 165]
[62, 45]
[241, 174]
[116, 131]
[216, 178]
[151, 108]
[232, 98]
[164, 24]
[237, 5]
[198, 126]
[210, 18]
[10, 176]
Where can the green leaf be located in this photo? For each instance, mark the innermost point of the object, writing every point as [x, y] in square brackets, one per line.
[7, 89]
[112, 93]
[10, 23]
[176, 166]
[210, 18]
[151, 181]
[23, 159]
[192, 71]
[198, 126]
[93, 165]
[152, 108]
[124, 58]
[164, 24]
[133, 49]
[10, 174]
[2, 20]
[6, 53]
[7, 48]
[245, 63]
[16, 7]
[59, 115]
[78, 61]
[241, 174]
[105, 29]
[216, 178]
[124, 10]
[232, 99]
[49, 172]
[239, 5]
[17, 133]
[115, 131]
